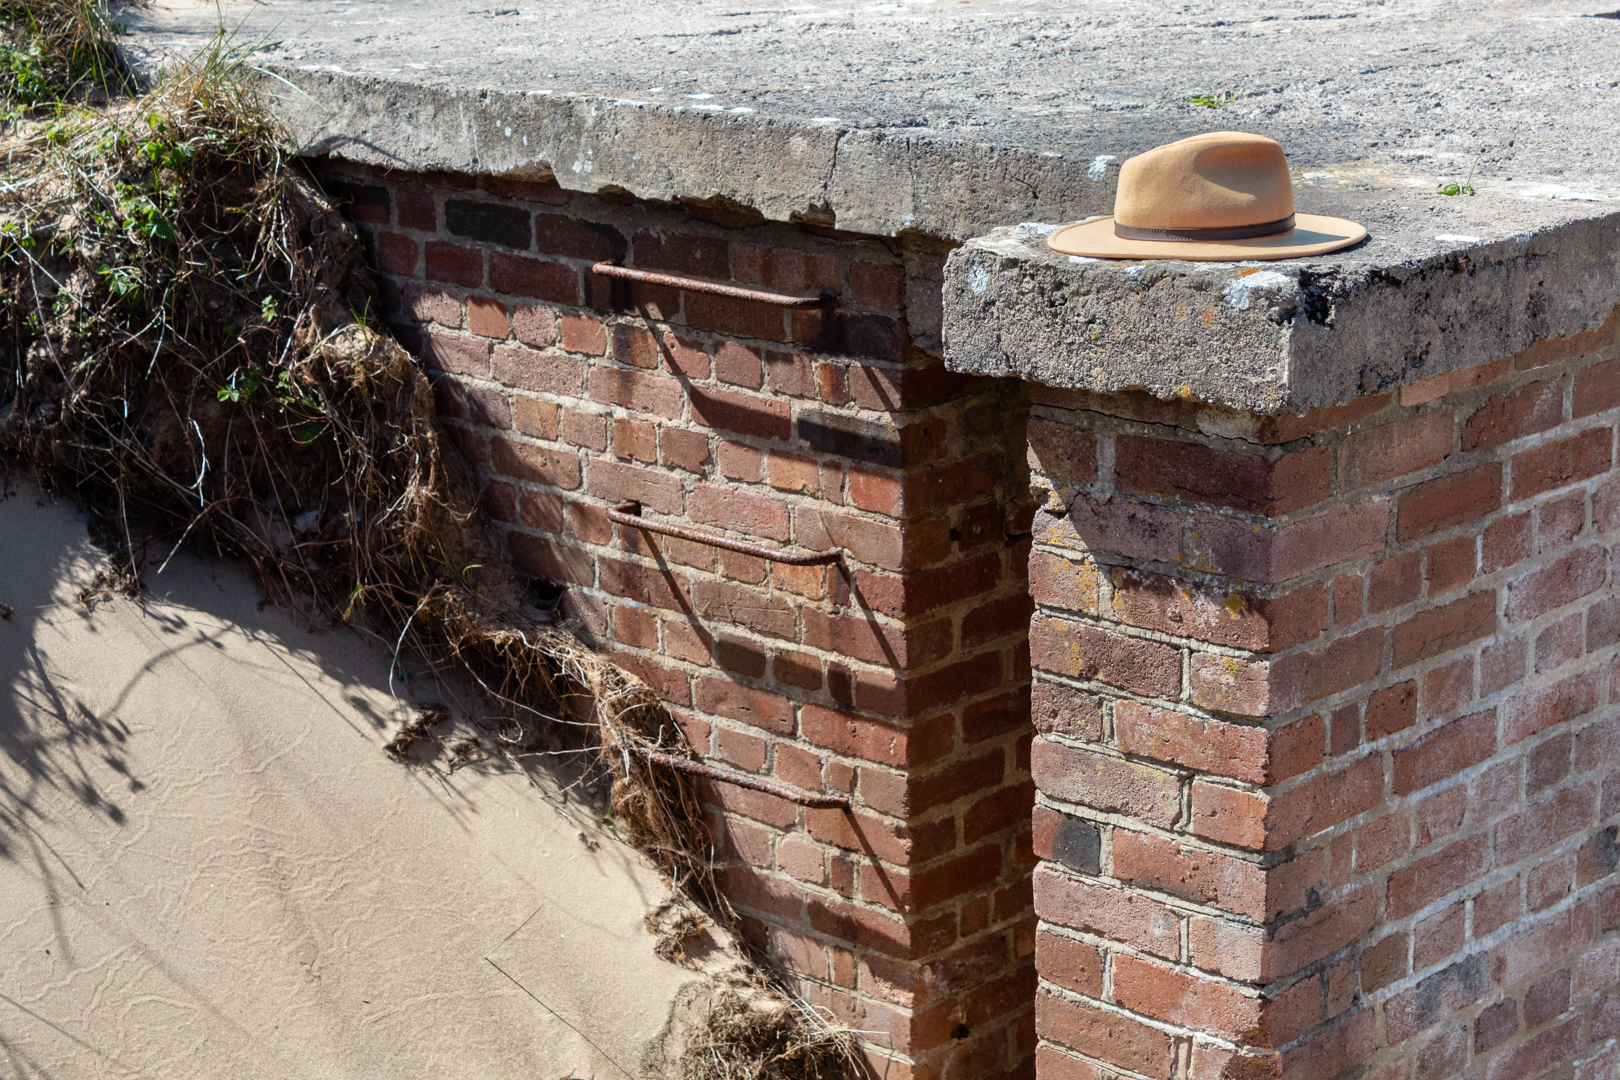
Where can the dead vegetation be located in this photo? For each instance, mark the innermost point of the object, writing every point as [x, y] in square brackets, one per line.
[189, 343]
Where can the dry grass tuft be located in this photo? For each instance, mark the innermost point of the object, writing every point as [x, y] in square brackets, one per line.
[190, 341]
[763, 1037]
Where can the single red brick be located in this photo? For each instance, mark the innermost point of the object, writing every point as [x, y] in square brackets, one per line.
[1447, 870]
[1201, 474]
[1445, 752]
[559, 234]
[426, 303]
[682, 253]
[1122, 527]
[739, 365]
[542, 372]
[1300, 678]
[761, 708]
[1108, 1036]
[687, 450]
[1394, 582]
[396, 253]
[1560, 521]
[1106, 783]
[1391, 709]
[742, 413]
[1578, 574]
[1220, 616]
[613, 481]
[1120, 915]
[454, 264]
[1566, 461]
[872, 740]
[520, 275]
[1086, 652]
[1292, 550]
[416, 211]
[1449, 500]
[1506, 542]
[633, 389]
[1165, 994]
[634, 439]
[458, 354]
[1065, 453]
[1526, 411]
[739, 461]
[1347, 592]
[487, 318]
[1451, 563]
[1448, 688]
[536, 464]
[1207, 745]
[1390, 450]
[1071, 964]
[1441, 629]
[1597, 389]
[1058, 709]
[1203, 876]
[585, 429]
[1545, 823]
[1229, 815]
[878, 285]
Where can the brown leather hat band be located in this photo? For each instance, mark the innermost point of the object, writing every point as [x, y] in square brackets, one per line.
[1233, 232]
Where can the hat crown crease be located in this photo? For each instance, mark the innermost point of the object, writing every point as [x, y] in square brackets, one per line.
[1219, 180]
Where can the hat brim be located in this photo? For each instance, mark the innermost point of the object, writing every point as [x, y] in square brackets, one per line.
[1311, 235]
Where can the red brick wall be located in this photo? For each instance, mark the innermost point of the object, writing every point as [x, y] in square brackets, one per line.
[1330, 721]
[899, 677]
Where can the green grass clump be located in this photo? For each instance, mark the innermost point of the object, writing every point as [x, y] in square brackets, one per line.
[56, 52]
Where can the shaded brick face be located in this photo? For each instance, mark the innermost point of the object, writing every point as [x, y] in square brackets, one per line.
[897, 677]
[1329, 766]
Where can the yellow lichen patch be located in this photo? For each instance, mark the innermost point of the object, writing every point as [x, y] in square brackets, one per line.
[1209, 316]
[1236, 604]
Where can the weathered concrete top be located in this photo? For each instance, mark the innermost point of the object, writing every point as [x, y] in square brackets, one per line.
[947, 116]
[956, 117]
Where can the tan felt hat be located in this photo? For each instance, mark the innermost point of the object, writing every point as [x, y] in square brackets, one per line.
[1221, 197]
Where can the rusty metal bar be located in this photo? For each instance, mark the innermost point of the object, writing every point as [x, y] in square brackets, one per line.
[736, 292]
[629, 513]
[743, 780]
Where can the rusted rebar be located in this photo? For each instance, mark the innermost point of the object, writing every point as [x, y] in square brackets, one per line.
[715, 288]
[629, 513]
[743, 780]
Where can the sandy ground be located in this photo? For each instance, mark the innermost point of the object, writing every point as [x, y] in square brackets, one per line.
[209, 868]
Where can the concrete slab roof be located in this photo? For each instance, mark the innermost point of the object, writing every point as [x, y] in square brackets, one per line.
[950, 117]
[958, 118]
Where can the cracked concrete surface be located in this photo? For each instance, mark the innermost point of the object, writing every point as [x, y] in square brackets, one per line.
[965, 119]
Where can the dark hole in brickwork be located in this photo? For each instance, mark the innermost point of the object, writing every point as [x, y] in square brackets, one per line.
[1078, 845]
[508, 226]
[362, 202]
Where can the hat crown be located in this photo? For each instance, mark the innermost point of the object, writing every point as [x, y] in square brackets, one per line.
[1221, 179]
